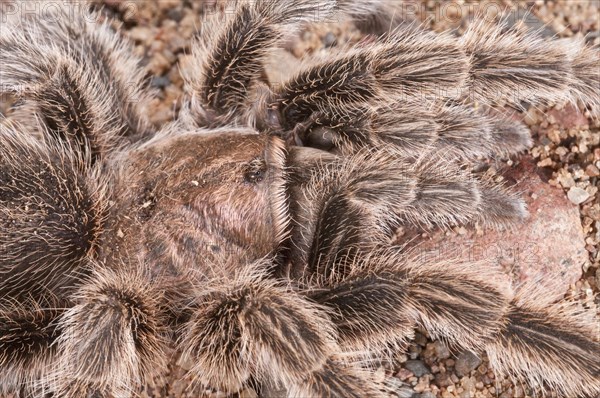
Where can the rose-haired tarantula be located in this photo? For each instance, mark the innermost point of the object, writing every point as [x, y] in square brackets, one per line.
[252, 234]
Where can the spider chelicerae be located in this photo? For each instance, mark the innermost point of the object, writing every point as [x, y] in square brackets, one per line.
[253, 233]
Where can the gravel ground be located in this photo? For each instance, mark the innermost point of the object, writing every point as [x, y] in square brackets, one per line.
[567, 148]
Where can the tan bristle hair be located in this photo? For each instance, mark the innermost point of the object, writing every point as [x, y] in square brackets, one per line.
[113, 337]
[81, 77]
[271, 332]
[46, 237]
[585, 59]
[510, 65]
[553, 346]
[28, 331]
[397, 68]
[459, 303]
[230, 50]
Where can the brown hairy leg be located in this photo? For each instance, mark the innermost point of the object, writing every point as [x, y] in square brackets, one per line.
[412, 128]
[113, 337]
[544, 344]
[77, 77]
[336, 199]
[229, 53]
[259, 327]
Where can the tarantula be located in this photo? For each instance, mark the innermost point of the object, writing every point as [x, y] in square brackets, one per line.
[253, 233]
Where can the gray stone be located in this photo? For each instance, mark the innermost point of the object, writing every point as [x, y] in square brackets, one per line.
[418, 368]
[329, 40]
[441, 351]
[398, 389]
[578, 195]
[159, 81]
[466, 363]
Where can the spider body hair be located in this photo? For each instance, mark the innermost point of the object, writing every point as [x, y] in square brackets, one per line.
[340, 198]
[254, 317]
[51, 212]
[538, 69]
[230, 58]
[226, 238]
[398, 67]
[52, 207]
[28, 331]
[439, 295]
[70, 61]
[459, 130]
[409, 65]
[564, 332]
[525, 335]
[204, 203]
[375, 17]
[112, 337]
[587, 85]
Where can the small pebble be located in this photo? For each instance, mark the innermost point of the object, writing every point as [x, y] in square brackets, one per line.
[466, 362]
[592, 171]
[176, 14]
[141, 34]
[420, 339]
[329, 40]
[441, 350]
[405, 374]
[417, 367]
[578, 195]
[159, 81]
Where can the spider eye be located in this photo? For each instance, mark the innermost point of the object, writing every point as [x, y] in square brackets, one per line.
[255, 171]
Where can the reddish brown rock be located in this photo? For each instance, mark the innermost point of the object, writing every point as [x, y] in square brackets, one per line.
[549, 245]
[569, 117]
